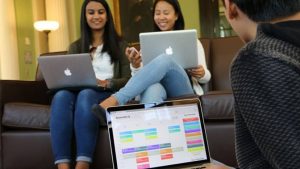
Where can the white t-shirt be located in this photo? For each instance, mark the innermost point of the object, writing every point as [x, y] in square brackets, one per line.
[102, 64]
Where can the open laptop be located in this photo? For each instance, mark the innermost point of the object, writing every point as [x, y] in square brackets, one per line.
[68, 71]
[181, 44]
[166, 135]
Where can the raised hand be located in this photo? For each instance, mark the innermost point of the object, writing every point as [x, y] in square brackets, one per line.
[197, 72]
[133, 56]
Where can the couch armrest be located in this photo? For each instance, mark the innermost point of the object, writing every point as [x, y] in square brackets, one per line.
[218, 105]
[23, 91]
[218, 110]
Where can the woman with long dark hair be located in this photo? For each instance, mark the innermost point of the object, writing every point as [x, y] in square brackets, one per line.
[162, 77]
[72, 122]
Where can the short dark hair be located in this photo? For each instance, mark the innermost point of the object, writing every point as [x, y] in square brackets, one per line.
[111, 38]
[268, 10]
[179, 24]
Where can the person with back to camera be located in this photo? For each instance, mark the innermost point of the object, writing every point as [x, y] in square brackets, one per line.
[162, 77]
[265, 79]
[70, 110]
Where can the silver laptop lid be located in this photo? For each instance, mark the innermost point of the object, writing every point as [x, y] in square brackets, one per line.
[182, 45]
[167, 135]
[67, 71]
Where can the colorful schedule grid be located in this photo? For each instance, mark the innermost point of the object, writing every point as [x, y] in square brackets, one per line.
[127, 136]
[193, 135]
[142, 153]
[160, 137]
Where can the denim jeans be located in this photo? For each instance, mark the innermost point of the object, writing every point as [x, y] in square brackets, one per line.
[163, 70]
[71, 117]
[155, 93]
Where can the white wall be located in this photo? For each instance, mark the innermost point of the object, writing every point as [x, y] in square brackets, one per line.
[9, 63]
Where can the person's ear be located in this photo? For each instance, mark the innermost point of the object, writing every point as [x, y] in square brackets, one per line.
[176, 18]
[231, 8]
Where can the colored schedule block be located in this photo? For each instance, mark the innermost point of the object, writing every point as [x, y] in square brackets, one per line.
[143, 166]
[166, 151]
[192, 127]
[151, 137]
[174, 129]
[148, 148]
[138, 131]
[193, 134]
[128, 150]
[142, 154]
[191, 119]
[153, 147]
[151, 133]
[195, 141]
[166, 145]
[166, 156]
[196, 149]
[142, 160]
[128, 140]
[127, 136]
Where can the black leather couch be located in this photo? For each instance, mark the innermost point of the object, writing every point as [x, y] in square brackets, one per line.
[24, 113]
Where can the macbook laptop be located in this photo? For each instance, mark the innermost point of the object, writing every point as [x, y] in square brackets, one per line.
[166, 135]
[68, 71]
[181, 45]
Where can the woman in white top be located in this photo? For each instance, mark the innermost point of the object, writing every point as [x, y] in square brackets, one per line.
[162, 77]
[72, 122]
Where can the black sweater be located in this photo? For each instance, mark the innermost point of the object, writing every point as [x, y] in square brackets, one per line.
[266, 86]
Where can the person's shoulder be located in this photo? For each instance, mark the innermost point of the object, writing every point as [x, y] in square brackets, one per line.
[122, 41]
[271, 47]
[76, 43]
[123, 44]
[75, 47]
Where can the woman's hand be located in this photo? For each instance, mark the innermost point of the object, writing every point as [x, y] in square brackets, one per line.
[133, 56]
[197, 72]
[102, 83]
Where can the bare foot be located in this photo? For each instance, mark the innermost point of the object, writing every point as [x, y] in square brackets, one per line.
[82, 165]
[111, 101]
[63, 166]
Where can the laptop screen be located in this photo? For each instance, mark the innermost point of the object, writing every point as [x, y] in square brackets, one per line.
[168, 134]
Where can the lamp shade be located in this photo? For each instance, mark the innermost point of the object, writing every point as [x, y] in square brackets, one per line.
[46, 25]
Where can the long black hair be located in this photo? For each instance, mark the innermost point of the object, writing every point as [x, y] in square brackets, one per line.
[111, 38]
[179, 23]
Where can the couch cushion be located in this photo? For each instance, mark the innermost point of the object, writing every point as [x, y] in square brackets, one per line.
[26, 116]
[223, 50]
[218, 105]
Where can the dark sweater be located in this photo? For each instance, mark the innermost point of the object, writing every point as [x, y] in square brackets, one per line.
[266, 86]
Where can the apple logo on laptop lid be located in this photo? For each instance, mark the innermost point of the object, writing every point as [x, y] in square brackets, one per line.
[169, 51]
[68, 72]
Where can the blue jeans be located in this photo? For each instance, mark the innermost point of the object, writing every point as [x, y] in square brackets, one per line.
[155, 93]
[163, 70]
[71, 116]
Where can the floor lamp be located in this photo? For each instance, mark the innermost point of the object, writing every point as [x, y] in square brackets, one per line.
[46, 27]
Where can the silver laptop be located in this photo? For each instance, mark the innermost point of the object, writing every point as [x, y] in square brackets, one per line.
[67, 71]
[182, 45]
[166, 135]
